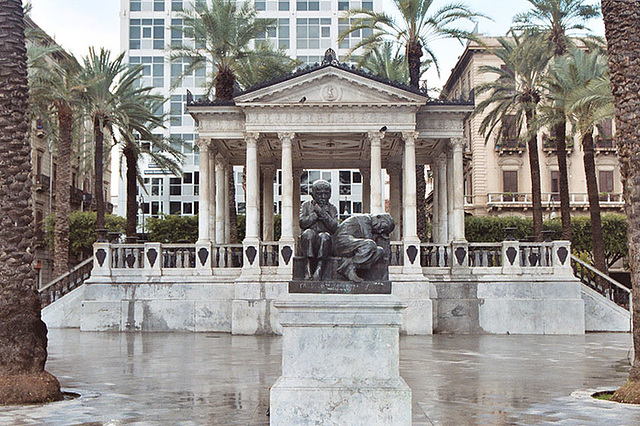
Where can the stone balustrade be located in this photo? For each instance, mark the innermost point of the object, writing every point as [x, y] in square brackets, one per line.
[508, 257]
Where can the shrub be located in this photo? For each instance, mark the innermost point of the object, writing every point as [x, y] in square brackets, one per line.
[614, 229]
[82, 231]
[172, 229]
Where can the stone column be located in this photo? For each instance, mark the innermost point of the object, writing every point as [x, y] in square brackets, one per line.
[268, 174]
[449, 196]
[458, 190]
[366, 189]
[435, 205]
[288, 215]
[375, 141]
[213, 151]
[203, 245]
[221, 203]
[395, 198]
[409, 222]
[251, 241]
[205, 192]
[227, 214]
[297, 172]
[443, 229]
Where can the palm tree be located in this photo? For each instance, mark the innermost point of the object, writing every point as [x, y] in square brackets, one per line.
[555, 20]
[55, 90]
[513, 98]
[23, 335]
[105, 82]
[223, 32]
[621, 20]
[568, 85]
[389, 61]
[419, 25]
[138, 138]
[417, 28]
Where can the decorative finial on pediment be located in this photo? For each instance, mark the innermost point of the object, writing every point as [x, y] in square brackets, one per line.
[330, 57]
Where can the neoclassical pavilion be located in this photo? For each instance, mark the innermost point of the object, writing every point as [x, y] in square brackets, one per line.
[331, 116]
[325, 117]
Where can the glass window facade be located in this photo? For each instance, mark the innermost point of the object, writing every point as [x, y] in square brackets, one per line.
[146, 34]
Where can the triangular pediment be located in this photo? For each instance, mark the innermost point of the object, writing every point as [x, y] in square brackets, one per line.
[330, 85]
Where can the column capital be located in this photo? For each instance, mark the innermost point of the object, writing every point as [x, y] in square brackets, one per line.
[286, 136]
[441, 158]
[252, 137]
[375, 137]
[203, 143]
[457, 143]
[410, 137]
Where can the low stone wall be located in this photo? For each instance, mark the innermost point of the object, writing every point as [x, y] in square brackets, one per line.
[521, 304]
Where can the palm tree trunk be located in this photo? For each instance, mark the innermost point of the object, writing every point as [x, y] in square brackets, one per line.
[23, 335]
[622, 20]
[132, 191]
[597, 240]
[63, 191]
[98, 170]
[563, 180]
[414, 53]
[536, 196]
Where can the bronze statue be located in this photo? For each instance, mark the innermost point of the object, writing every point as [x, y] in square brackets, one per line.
[318, 221]
[363, 242]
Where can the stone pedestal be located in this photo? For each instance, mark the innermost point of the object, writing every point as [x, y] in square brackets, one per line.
[340, 361]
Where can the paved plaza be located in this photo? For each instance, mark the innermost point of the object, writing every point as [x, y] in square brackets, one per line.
[201, 379]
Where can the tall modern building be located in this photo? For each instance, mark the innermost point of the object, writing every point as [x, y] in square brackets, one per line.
[305, 29]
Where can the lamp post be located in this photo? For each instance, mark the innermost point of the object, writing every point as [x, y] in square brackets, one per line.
[141, 208]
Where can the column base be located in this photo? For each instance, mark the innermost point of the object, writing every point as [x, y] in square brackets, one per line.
[338, 401]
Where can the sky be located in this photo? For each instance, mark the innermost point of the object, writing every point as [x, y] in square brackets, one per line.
[78, 24]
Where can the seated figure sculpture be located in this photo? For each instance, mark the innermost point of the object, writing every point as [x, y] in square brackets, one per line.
[318, 221]
[363, 242]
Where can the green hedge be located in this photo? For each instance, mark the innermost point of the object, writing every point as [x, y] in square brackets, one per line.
[174, 228]
[82, 231]
[614, 229]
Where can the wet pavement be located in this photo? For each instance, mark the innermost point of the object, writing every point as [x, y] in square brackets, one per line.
[208, 378]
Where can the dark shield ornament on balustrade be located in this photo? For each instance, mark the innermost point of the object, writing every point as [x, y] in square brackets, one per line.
[101, 255]
[412, 252]
[533, 259]
[286, 254]
[152, 255]
[562, 254]
[251, 254]
[460, 253]
[511, 254]
[130, 260]
[203, 255]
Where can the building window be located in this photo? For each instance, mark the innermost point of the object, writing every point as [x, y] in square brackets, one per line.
[555, 185]
[135, 5]
[146, 34]
[278, 34]
[605, 181]
[152, 71]
[308, 60]
[283, 5]
[302, 5]
[175, 207]
[156, 187]
[187, 208]
[605, 134]
[175, 186]
[178, 111]
[354, 37]
[510, 184]
[176, 5]
[156, 208]
[313, 33]
[195, 78]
